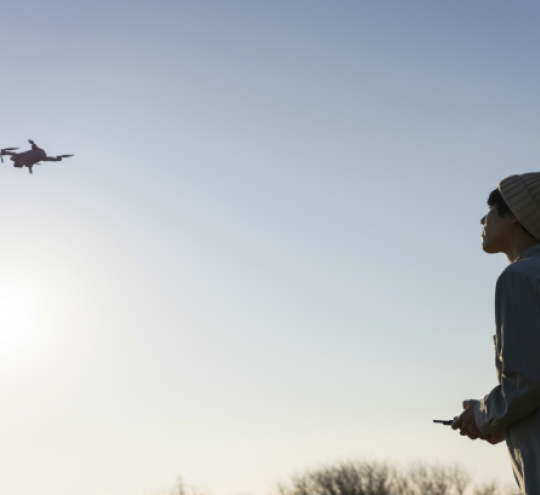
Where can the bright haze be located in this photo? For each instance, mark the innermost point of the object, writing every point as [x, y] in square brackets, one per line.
[265, 254]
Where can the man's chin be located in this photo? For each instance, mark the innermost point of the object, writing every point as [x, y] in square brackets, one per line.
[489, 247]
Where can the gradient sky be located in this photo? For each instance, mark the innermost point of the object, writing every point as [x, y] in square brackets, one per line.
[265, 253]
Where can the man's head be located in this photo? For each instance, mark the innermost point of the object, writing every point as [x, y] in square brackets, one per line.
[500, 225]
[513, 221]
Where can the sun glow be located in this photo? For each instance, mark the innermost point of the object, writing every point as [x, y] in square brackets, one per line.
[19, 317]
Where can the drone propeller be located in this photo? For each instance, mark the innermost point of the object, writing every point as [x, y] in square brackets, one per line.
[5, 149]
[31, 141]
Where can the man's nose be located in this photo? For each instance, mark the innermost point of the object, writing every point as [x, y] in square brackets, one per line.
[483, 219]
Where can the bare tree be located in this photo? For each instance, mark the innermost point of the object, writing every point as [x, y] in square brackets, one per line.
[349, 478]
[375, 478]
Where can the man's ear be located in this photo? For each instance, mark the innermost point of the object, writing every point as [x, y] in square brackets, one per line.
[514, 220]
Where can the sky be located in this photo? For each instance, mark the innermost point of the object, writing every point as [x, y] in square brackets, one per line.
[265, 254]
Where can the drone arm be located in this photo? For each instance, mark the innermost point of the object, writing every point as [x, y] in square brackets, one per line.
[55, 158]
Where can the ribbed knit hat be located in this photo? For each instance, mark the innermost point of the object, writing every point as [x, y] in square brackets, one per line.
[522, 195]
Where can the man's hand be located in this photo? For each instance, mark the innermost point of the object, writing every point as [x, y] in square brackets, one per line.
[467, 423]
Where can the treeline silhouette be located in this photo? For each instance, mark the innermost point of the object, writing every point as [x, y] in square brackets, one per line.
[375, 478]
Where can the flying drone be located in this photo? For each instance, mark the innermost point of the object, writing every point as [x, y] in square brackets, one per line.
[31, 157]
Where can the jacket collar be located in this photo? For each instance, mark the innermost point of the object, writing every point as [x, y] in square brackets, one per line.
[529, 253]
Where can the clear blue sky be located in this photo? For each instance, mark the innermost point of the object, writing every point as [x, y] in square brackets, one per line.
[265, 253]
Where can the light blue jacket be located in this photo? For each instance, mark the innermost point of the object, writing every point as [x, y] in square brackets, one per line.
[514, 404]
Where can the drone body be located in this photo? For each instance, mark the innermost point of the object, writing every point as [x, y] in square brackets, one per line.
[29, 158]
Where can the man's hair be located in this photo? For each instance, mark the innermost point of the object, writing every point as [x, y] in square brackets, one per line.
[496, 200]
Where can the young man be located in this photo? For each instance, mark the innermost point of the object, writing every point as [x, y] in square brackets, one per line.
[511, 411]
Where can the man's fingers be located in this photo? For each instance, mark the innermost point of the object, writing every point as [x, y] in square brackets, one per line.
[466, 422]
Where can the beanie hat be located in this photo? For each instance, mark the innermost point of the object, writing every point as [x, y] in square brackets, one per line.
[522, 195]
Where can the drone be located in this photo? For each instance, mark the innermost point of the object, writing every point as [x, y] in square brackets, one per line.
[31, 157]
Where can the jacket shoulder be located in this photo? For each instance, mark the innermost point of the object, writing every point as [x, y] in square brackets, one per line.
[528, 268]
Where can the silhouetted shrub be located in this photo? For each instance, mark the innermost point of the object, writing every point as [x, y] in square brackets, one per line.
[379, 478]
[362, 478]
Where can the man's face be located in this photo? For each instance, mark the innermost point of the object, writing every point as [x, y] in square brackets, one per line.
[497, 231]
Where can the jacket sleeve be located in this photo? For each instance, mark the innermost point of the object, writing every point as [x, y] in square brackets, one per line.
[517, 317]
